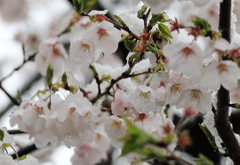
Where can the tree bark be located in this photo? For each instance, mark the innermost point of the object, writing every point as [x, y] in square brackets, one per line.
[221, 119]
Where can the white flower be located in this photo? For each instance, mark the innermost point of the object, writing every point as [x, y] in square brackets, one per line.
[83, 52]
[73, 120]
[184, 58]
[158, 6]
[6, 159]
[198, 98]
[133, 22]
[225, 73]
[30, 160]
[51, 52]
[92, 153]
[115, 127]
[143, 99]
[104, 36]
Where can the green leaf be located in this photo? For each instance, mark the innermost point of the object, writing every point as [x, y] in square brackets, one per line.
[201, 23]
[78, 5]
[93, 69]
[135, 139]
[132, 57]
[49, 75]
[203, 160]
[149, 153]
[73, 89]
[164, 29]
[19, 95]
[130, 44]
[106, 78]
[88, 5]
[237, 106]
[120, 20]
[84, 5]
[1, 134]
[141, 12]
[23, 157]
[210, 137]
[64, 78]
[157, 18]
[153, 49]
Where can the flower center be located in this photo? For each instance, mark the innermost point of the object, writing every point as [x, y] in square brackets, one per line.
[175, 89]
[85, 47]
[102, 33]
[144, 96]
[195, 95]
[222, 68]
[187, 51]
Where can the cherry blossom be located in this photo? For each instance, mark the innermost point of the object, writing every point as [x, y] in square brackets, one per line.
[184, 58]
[224, 73]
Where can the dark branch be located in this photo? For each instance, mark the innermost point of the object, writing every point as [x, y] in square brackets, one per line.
[221, 119]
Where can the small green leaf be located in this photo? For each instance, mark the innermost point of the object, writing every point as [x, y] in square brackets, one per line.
[19, 95]
[202, 24]
[5, 145]
[149, 153]
[106, 78]
[130, 44]
[23, 157]
[164, 29]
[157, 18]
[73, 89]
[203, 160]
[141, 12]
[64, 78]
[1, 134]
[93, 69]
[88, 5]
[237, 106]
[135, 139]
[120, 20]
[210, 137]
[132, 57]
[78, 5]
[49, 75]
[151, 48]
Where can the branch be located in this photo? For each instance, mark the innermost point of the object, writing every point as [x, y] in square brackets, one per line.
[15, 101]
[125, 74]
[221, 119]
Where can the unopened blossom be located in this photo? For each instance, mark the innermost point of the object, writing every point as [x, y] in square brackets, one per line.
[184, 58]
[225, 73]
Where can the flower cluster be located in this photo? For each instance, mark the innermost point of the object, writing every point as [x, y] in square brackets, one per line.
[89, 99]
